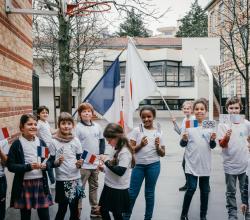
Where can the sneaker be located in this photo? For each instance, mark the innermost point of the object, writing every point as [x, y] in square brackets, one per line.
[95, 213]
[183, 188]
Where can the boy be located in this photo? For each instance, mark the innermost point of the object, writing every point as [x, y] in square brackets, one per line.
[4, 149]
[187, 107]
[233, 141]
[91, 138]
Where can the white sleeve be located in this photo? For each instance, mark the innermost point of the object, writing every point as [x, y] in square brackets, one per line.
[78, 131]
[79, 149]
[4, 145]
[52, 148]
[124, 159]
[221, 131]
[100, 132]
[133, 135]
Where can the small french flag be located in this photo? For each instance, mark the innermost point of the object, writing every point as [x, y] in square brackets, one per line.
[42, 152]
[88, 157]
[191, 124]
[4, 133]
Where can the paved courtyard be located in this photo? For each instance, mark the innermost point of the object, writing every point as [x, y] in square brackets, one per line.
[168, 199]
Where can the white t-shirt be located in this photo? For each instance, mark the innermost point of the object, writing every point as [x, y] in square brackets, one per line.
[4, 146]
[30, 156]
[147, 154]
[67, 170]
[43, 131]
[198, 152]
[89, 137]
[120, 182]
[235, 156]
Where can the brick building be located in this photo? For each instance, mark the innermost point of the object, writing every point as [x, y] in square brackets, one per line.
[16, 64]
[219, 21]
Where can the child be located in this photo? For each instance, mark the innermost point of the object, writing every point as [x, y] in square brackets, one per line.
[66, 151]
[30, 185]
[148, 146]
[198, 143]
[90, 135]
[4, 149]
[233, 141]
[187, 109]
[44, 132]
[115, 197]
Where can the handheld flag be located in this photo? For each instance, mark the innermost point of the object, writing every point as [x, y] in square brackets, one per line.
[139, 84]
[4, 133]
[42, 152]
[191, 124]
[88, 157]
[208, 124]
[105, 96]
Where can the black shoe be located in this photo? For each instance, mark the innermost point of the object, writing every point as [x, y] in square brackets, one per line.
[203, 218]
[183, 188]
[184, 217]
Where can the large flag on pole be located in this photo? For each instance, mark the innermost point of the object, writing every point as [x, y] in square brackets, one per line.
[139, 84]
[105, 96]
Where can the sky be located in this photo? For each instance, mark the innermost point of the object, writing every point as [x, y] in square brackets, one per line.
[177, 9]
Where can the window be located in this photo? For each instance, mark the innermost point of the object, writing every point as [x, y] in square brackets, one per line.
[212, 22]
[157, 69]
[221, 13]
[174, 104]
[165, 73]
[58, 103]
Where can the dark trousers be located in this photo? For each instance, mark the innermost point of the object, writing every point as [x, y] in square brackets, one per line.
[106, 216]
[3, 189]
[204, 192]
[62, 209]
[183, 167]
[43, 214]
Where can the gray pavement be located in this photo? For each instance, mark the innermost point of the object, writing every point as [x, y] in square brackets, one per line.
[168, 200]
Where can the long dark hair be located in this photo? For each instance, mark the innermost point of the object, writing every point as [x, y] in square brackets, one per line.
[113, 130]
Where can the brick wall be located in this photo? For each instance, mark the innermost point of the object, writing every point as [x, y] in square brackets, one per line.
[15, 68]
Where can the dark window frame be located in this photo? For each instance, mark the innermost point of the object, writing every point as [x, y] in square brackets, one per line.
[58, 103]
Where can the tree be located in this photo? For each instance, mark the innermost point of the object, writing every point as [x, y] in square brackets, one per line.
[233, 29]
[133, 26]
[194, 23]
[63, 26]
[46, 52]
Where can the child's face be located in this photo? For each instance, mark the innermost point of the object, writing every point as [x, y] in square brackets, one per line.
[200, 112]
[234, 108]
[66, 127]
[147, 118]
[86, 115]
[29, 129]
[44, 115]
[187, 110]
[112, 141]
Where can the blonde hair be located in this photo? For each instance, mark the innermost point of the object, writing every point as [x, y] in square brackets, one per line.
[190, 103]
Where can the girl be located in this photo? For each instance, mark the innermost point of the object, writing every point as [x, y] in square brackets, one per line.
[44, 132]
[115, 197]
[148, 146]
[66, 151]
[30, 185]
[198, 143]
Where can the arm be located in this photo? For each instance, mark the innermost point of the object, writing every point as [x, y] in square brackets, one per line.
[101, 146]
[138, 147]
[12, 165]
[3, 157]
[224, 142]
[118, 170]
[160, 149]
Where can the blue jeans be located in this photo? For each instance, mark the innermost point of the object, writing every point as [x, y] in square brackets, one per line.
[204, 192]
[151, 173]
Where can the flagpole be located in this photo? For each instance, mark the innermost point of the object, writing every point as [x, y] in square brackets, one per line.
[98, 81]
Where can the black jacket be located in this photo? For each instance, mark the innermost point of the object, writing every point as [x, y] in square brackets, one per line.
[16, 164]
